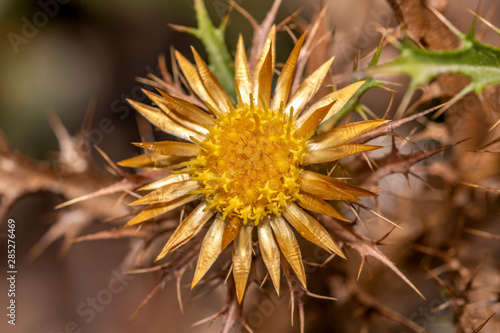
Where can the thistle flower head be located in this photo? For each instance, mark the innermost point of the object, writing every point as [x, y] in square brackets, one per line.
[243, 161]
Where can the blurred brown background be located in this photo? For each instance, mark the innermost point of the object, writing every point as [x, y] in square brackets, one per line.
[93, 50]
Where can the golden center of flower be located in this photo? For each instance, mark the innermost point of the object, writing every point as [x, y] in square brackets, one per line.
[248, 165]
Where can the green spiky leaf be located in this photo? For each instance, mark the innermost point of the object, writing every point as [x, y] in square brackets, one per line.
[479, 62]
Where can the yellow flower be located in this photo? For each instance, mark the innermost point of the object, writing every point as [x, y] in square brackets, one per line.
[244, 162]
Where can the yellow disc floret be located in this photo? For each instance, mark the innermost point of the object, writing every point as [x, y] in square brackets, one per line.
[249, 163]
